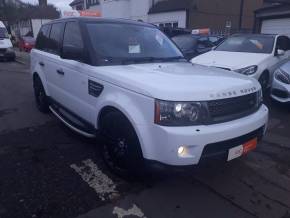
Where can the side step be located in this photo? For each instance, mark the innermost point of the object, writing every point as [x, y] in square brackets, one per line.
[67, 123]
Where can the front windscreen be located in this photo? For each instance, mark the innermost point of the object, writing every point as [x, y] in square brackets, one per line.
[113, 42]
[249, 44]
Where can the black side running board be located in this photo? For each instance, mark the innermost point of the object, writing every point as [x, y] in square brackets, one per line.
[89, 133]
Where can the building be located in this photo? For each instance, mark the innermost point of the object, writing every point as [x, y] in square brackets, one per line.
[218, 15]
[18, 3]
[273, 17]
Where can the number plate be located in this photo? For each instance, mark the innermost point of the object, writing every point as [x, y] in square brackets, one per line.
[235, 152]
[242, 149]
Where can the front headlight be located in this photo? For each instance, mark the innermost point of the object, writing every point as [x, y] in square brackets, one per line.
[282, 76]
[180, 113]
[248, 70]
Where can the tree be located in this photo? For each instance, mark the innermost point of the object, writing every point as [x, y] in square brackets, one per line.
[13, 14]
[42, 3]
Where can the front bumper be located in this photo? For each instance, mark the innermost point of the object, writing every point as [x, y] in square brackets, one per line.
[280, 91]
[4, 53]
[161, 143]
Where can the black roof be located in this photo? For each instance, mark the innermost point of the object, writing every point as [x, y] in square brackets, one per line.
[76, 2]
[171, 5]
[104, 20]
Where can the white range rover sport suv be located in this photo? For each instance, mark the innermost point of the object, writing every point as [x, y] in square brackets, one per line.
[128, 83]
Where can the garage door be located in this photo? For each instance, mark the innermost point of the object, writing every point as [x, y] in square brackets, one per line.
[276, 26]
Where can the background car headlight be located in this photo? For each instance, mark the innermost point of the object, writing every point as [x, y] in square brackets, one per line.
[282, 76]
[247, 70]
[180, 113]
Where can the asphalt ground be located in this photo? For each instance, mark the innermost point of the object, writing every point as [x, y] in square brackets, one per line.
[46, 170]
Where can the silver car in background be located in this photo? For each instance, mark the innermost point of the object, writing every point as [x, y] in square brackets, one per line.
[281, 84]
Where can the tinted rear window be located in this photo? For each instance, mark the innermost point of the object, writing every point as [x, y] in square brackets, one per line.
[43, 38]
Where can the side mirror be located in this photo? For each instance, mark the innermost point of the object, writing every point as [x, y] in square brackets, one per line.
[280, 52]
[72, 53]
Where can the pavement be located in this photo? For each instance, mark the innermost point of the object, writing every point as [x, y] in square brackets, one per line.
[47, 171]
[22, 57]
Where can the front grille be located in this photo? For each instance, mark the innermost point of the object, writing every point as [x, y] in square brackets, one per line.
[232, 108]
[220, 150]
[280, 93]
[2, 50]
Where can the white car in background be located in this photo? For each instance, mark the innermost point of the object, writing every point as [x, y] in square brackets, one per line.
[254, 55]
[6, 48]
[281, 84]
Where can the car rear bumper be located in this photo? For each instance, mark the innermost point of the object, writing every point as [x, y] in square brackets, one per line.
[161, 143]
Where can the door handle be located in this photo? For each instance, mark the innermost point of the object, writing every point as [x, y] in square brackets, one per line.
[60, 72]
[41, 64]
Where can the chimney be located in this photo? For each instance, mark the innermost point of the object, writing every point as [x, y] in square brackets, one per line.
[42, 2]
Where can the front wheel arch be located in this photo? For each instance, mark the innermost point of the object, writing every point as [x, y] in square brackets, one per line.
[264, 80]
[107, 126]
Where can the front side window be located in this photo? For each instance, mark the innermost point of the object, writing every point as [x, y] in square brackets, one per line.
[129, 42]
[249, 44]
[43, 38]
[72, 35]
[55, 38]
[3, 33]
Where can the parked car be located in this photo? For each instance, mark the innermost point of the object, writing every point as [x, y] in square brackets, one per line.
[254, 55]
[281, 84]
[216, 39]
[26, 43]
[129, 83]
[174, 31]
[6, 47]
[193, 45]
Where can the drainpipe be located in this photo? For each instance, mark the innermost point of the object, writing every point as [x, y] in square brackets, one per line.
[241, 15]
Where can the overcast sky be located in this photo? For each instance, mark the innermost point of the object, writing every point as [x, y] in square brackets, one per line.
[61, 4]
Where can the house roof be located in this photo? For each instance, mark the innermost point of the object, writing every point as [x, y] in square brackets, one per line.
[76, 2]
[170, 5]
[273, 10]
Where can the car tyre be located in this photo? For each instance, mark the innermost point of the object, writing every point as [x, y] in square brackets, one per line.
[41, 98]
[120, 147]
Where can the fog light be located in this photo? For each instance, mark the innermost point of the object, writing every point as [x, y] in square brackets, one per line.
[181, 150]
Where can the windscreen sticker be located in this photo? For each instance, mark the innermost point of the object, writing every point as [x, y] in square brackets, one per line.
[257, 44]
[134, 49]
[159, 39]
